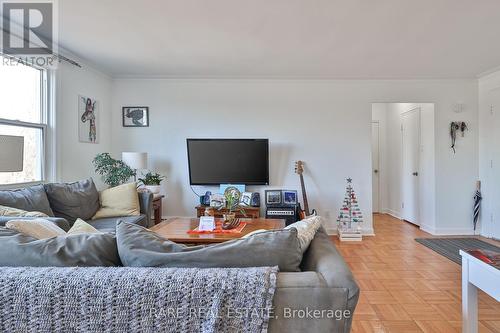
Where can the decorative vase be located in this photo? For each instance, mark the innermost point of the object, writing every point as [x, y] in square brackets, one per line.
[155, 189]
[228, 217]
[230, 221]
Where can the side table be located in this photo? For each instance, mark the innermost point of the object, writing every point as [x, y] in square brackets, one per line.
[157, 207]
[476, 274]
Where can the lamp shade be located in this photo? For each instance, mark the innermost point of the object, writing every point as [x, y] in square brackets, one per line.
[137, 161]
[12, 148]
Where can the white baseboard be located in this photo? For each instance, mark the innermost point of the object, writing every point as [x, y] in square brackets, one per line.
[330, 226]
[428, 229]
[391, 212]
[448, 231]
[368, 232]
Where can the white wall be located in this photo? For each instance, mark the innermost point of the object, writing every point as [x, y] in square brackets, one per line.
[74, 158]
[391, 157]
[489, 162]
[325, 123]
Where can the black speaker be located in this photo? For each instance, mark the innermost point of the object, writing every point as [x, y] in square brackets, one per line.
[289, 214]
[205, 199]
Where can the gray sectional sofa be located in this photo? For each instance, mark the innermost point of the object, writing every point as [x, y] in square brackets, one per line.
[82, 200]
[320, 298]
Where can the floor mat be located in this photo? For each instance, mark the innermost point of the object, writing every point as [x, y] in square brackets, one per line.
[449, 247]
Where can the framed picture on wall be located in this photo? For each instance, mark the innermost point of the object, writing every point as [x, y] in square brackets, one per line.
[88, 119]
[135, 116]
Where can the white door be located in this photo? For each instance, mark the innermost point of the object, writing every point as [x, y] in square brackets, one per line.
[493, 229]
[410, 130]
[375, 167]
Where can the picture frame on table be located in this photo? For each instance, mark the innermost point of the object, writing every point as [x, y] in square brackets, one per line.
[246, 198]
[217, 200]
[289, 198]
[273, 197]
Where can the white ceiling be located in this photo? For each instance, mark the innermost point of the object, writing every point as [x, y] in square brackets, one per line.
[284, 38]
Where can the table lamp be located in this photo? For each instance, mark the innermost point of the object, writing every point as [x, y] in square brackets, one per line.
[12, 148]
[136, 161]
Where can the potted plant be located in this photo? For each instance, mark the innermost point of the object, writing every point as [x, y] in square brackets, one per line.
[152, 182]
[113, 172]
[232, 199]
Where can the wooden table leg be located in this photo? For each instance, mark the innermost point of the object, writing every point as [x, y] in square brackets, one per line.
[158, 212]
[469, 301]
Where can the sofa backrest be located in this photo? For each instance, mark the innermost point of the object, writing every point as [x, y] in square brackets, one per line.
[31, 199]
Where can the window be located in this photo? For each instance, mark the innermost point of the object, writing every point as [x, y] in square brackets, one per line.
[23, 114]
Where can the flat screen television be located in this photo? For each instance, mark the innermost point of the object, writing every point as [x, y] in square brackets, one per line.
[228, 161]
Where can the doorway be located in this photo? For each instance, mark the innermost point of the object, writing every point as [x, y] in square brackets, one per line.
[403, 162]
[410, 143]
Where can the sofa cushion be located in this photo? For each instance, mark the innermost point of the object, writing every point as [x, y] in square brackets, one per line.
[16, 212]
[82, 227]
[121, 200]
[108, 224]
[60, 222]
[139, 246]
[73, 200]
[36, 228]
[30, 199]
[17, 249]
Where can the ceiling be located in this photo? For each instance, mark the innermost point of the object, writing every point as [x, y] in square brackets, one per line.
[339, 39]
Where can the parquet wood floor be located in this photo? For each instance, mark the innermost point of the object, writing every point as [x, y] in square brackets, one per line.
[406, 287]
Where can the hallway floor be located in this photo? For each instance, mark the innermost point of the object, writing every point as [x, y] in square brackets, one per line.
[406, 287]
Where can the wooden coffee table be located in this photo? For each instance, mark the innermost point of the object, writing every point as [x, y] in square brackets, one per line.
[175, 229]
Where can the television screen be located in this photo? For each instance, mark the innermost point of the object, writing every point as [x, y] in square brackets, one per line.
[228, 161]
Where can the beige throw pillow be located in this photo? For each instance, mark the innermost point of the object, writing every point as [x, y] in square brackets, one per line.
[36, 228]
[306, 230]
[121, 200]
[16, 212]
[82, 227]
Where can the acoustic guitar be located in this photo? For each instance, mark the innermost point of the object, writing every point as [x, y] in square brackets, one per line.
[299, 169]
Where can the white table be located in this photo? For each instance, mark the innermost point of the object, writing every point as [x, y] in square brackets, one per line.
[476, 274]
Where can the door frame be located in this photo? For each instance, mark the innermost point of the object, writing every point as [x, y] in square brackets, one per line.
[488, 216]
[378, 167]
[419, 110]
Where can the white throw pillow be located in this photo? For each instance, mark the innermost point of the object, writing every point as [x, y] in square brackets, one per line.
[36, 228]
[306, 230]
[82, 227]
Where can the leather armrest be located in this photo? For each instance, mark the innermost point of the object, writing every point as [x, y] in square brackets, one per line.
[146, 203]
[322, 257]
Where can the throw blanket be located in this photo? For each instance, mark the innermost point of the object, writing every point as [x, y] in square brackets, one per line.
[128, 299]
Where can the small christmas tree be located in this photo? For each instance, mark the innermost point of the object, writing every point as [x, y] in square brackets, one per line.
[350, 216]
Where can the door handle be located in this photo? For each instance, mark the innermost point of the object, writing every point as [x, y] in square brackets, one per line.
[375, 171]
[415, 173]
